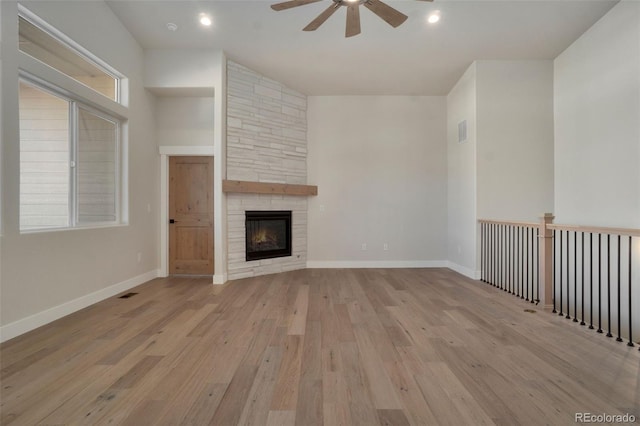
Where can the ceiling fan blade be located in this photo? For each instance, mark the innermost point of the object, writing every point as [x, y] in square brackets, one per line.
[315, 24]
[387, 13]
[353, 20]
[291, 3]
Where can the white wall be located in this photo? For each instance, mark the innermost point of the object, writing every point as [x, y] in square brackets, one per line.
[1, 157]
[514, 139]
[597, 136]
[461, 203]
[184, 121]
[504, 170]
[380, 166]
[185, 73]
[597, 123]
[46, 275]
[183, 70]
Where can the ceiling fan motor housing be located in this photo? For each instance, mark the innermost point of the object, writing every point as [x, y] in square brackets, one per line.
[349, 2]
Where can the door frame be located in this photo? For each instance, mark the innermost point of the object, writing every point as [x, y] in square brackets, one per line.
[165, 153]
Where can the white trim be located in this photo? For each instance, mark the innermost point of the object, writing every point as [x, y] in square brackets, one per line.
[44, 74]
[373, 264]
[34, 321]
[206, 150]
[219, 279]
[74, 106]
[463, 270]
[164, 215]
[354, 264]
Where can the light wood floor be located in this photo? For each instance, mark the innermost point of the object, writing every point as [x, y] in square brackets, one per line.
[333, 347]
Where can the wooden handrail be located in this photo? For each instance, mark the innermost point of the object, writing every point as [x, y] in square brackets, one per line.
[545, 249]
[632, 232]
[511, 223]
[596, 229]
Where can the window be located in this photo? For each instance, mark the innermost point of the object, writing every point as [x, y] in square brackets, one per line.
[96, 168]
[73, 142]
[69, 162]
[43, 46]
[44, 159]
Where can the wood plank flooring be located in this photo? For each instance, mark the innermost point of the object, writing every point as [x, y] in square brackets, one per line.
[312, 347]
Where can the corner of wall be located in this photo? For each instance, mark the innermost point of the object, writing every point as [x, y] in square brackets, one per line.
[462, 174]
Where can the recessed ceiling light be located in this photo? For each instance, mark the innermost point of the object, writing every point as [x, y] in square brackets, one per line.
[434, 17]
[171, 26]
[205, 19]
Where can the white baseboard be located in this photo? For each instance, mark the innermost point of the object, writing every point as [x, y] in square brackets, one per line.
[467, 272]
[34, 321]
[219, 279]
[354, 264]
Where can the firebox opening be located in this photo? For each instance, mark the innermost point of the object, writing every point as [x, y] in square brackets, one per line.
[268, 234]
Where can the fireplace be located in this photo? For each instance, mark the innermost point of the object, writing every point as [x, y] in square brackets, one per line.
[268, 234]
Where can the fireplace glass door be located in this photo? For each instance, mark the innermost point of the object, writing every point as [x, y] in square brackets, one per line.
[268, 234]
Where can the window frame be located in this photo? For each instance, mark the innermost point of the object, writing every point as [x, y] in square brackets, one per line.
[117, 166]
[74, 105]
[67, 42]
[44, 77]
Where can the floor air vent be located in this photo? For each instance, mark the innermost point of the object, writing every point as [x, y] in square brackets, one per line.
[126, 296]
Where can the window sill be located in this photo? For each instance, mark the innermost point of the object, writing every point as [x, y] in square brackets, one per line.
[77, 228]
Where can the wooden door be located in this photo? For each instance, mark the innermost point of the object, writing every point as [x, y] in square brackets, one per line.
[191, 215]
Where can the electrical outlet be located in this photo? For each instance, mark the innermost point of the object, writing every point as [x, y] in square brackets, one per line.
[385, 246]
[321, 207]
[364, 246]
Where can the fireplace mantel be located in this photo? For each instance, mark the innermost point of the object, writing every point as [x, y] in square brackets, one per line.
[248, 187]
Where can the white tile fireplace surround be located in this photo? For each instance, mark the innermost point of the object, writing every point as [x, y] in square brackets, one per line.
[237, 204]
[266, 142]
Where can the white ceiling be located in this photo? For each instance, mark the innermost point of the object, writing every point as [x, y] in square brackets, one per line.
[414, 59]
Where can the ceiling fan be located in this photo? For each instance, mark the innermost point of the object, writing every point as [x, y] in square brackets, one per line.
[384, 11]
